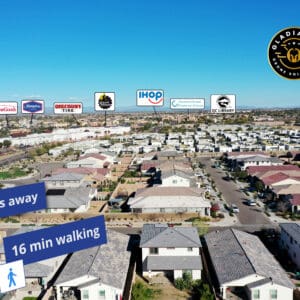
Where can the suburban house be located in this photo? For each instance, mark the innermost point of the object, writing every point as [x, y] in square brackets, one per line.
[64, 180]
[171, 251]
[66, 200]
[92, 160]
[98, 272]
[91, 175]
[37, 274]
[290, 240]
[241, 264]
[174, 177]
[244, 160]
[295, 203]
[173, 199]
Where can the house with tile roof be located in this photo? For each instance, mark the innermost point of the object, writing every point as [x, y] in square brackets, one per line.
[96, 273]
[171, 251]
[295, 203]
[290, 240]
[158, 199]
[240, 261]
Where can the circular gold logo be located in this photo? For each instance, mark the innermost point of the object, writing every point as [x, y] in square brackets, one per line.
[284, 53]
[104, 101]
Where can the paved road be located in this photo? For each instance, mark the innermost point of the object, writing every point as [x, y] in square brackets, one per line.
[232, 194]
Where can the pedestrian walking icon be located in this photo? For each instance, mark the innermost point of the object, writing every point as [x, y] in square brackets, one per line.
[13, 276]
[10, 277]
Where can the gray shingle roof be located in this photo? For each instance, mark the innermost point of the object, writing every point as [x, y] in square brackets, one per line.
[64, 177]
[258, 283]
[293, 229]
[172, 172]
[160, 235]
[36, 270]
[173, 263]
[72, 198]
[236, 254]
[108, 262]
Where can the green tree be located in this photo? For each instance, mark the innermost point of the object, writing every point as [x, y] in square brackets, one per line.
[259, 186]
[289, 155]
[6, 143]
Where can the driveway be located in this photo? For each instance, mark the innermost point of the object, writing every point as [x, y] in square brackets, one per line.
[232, 194]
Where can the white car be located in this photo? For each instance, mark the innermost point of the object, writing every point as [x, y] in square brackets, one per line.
[234, 208]
[251, 202]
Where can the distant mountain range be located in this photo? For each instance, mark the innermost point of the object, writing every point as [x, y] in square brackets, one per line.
[127, 109]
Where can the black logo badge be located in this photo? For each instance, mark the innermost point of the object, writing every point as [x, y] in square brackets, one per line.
[223, 101]
[104, 101]
[284, 53]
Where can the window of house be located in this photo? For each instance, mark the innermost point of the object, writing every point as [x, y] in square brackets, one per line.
[85, 294]
[162, 210]
[102, 293]
[273, 294]
[174, 181]
[256, 294]
[189, 249]
[153, 250]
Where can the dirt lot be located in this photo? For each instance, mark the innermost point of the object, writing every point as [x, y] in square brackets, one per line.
[167, 290]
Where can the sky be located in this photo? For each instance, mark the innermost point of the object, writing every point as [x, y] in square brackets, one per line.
[65, 50]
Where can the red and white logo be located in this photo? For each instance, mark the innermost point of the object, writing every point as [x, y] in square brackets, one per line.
[67, 108]
[8, 108]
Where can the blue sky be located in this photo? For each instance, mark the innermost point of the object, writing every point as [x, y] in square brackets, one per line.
[63, 50]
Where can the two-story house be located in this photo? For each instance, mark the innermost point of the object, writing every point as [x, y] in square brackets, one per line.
[171, 251]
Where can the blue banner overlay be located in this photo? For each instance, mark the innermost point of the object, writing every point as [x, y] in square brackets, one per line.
[54, 241]
[22, 199]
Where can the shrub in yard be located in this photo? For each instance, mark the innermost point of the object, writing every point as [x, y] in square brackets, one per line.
[179, 283]
[221, 216]
[141, 292]
[213, 214]
[184, 283]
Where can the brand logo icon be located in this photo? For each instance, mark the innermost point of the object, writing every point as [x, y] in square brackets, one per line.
[104, 101]
[32, 106]
[284, 53]
[8, 108]
[222, 103]
[150, 97]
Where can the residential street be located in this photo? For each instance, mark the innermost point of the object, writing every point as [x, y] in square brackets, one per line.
[232, 194]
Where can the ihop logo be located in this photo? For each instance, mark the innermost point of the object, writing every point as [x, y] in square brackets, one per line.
[150, 97]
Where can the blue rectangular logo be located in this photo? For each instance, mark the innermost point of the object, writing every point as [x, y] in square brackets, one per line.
[55, 241]
[22, 199]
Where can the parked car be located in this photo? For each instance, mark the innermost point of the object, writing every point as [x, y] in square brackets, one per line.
[251, 202]
[234, 208]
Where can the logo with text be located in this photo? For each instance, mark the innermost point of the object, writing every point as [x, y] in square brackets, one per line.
[8, 108]
[150, 97]
[32, 106]
[222, 104]
[104, 101]
[68, 108]
[284, 53]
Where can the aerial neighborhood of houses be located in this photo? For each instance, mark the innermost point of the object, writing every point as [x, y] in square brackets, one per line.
[195, 206]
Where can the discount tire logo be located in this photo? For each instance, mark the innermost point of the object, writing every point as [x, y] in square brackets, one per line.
[284, 53]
